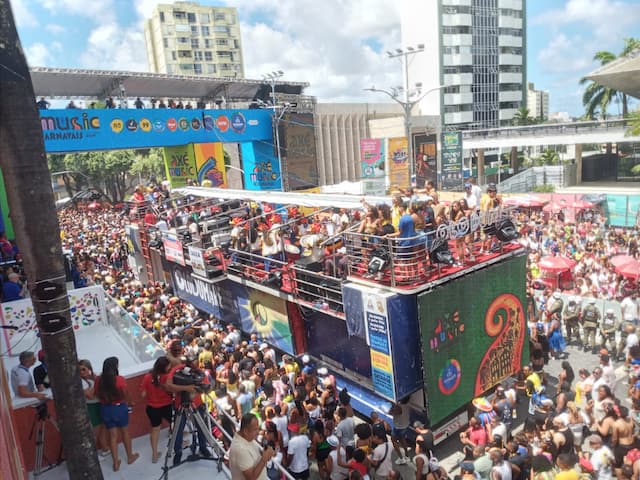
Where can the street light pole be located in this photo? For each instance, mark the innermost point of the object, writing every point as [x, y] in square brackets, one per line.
[408, 105]
[272, 78]
[407, 108]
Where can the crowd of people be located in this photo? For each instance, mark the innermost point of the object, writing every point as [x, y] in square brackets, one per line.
[575, 425]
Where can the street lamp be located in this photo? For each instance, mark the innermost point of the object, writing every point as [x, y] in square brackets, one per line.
[272, 78]
[407, 107]
[407, 104]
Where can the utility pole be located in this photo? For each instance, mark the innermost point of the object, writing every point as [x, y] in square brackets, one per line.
[406, 103]
[273, 78]
[28, 185]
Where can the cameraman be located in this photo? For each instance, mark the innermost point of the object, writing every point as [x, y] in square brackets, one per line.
[188, 394]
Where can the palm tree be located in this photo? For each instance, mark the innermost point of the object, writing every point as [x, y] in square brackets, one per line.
[633, 130]
[522, 117]
[597, 98]
[30, 195]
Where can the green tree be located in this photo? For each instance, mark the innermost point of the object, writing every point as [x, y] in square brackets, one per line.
[548, 157]
[523, 117]
[148, 164]
[30, 195]
[597, 98]
[633, 130]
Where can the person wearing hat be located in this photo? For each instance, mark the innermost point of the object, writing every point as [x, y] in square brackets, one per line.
[472, 201]
[468, 471]
[571, 315]
[608, 327]
[337, 457]
[298, 453]
[590, 319]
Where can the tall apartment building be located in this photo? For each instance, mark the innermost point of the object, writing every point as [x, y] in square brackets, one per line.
[537, 102]
[186, 38]
[476, 49]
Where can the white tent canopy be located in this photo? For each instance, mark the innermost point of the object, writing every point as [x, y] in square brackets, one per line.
[320, 200]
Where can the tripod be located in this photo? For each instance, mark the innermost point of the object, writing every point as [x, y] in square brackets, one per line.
[38, 427]
[187, 413]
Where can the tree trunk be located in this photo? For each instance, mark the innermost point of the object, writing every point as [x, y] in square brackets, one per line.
[514, 159]
[30, 195]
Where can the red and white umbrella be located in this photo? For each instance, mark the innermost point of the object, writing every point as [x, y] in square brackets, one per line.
[629, 270]
[620, 260]
[582, 205]
[556, 264]
[93, 206]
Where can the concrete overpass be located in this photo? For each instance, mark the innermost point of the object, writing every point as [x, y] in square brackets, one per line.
[576, 133]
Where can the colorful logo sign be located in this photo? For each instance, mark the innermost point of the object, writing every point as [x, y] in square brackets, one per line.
[209, 124]
[195, 124]
[222, 122]
[132, 125]
[116, 125]
[184, 124]
[172, 125]
[145, 125]
[158, 126]
[238, 122]
[450, 376]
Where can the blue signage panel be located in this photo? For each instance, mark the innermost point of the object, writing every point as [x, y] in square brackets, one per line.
[72, 130]
[200, 294]
[261, 167]
[405, 344]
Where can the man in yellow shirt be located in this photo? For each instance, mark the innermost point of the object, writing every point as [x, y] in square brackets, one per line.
[488, 202]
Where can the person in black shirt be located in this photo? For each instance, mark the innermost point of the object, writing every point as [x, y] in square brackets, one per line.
[43, 104]
[139, 103]
[41, 374]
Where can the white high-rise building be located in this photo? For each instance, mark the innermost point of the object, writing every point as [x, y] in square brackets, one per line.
[186, 38]
[476, 50]
[537, 102]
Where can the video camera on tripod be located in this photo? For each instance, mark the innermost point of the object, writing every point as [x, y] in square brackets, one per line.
[190, 376]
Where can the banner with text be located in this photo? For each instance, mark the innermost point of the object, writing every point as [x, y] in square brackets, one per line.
[75, 130]
[372, 161]
[398, 162]
[261, 168]
[173, 249]
[379, 339]
[451, 171]
[180, 165]
[472, 345]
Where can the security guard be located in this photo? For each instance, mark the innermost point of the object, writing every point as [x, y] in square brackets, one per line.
[555, 306]
[571, 317]
[608, 329]
[590, 320]
[628, 327]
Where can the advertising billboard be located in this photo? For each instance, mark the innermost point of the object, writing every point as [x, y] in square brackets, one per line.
[180, 165]
[298, 145]
[210, 164]
[425, 151]
[372, 162]
[398, 162]
[451, 171]
[173, 249]
[261, 168]
[75, 130]
[474, 334]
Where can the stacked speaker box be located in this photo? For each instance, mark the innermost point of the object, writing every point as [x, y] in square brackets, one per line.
[308, 284]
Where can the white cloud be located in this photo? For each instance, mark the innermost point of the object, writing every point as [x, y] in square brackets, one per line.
[115, 48]
[23, 16]
[562, 54]
[98, 10]
[37, 55]
[54, 28]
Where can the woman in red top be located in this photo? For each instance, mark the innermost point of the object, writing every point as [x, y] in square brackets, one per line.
[111, 390]
[159, 401]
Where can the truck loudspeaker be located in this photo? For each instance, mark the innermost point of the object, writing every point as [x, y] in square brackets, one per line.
[440, 253]
[506, 231]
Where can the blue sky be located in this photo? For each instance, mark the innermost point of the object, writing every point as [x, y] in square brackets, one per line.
[303, 38]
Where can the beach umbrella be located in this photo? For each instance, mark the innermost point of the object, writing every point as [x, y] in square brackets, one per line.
[556, 264]
[629, 270]
[619, 260]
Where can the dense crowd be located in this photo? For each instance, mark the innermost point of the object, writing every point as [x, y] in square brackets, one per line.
[575, 425]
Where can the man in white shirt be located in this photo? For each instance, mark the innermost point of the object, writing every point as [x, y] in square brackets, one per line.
[298, 451]
[380, 459]
[630, 306]
[345, 430]
[246, 461]
[601, 458]
[21, 380]
[472, 200]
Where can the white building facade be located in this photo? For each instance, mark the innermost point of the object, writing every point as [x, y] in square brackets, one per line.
[537, 102]
[186, 38]
[475, 49]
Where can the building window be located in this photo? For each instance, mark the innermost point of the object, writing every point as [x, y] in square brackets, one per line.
[204, 18]
[509, 12]
[165, 42]
[195, 43]
[197, 68]
[170, 69]
[183, 40]
[184, 54]
[232, 19]
[511, 68]
[219, 29]
[208, 56]
[179, 15]
[205, 31]
[220, 17]
[208, 43]
[511, 50]
[457, 30]
[197, 56]
[194, 31]
[211, 68]
[182, 28]
[191, 17]
[221, 41]
[174, 56]
[513, 32]
[186, 67]
[236, 44]
[162, 17]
